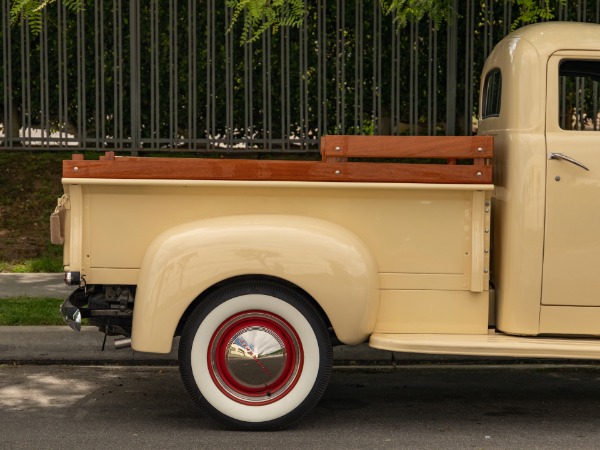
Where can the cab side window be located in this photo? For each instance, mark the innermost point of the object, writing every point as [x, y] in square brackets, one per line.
[579, 95]
[492, 94]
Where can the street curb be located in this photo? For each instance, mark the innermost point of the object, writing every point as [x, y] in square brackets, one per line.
[61, 344]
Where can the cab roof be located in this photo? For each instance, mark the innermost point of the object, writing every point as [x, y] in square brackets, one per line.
[549, 37]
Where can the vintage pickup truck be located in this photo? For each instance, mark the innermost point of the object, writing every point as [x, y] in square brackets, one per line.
[260, 266]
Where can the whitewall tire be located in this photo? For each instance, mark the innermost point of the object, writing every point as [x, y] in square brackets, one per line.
[255, 355]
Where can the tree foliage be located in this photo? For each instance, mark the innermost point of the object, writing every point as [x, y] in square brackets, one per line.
[259, 15]
[535, 10]
[262, 15]
[31, 11]
[405, 10]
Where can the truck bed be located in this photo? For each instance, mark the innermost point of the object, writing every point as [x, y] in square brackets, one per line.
[425, 223]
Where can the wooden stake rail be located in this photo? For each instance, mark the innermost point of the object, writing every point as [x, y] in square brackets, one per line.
[437, 147]
[335, 166]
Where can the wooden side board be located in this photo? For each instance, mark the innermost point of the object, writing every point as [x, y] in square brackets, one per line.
[438, 147]
[334, 169]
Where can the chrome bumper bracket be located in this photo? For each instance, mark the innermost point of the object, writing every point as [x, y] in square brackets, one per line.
[72, 309]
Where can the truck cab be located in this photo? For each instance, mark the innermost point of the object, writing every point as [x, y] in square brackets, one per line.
[539, 100]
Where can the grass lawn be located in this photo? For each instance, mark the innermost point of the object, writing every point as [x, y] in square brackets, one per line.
[50, 261]
[30, 311]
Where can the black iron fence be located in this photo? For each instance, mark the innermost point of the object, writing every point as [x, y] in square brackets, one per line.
[165, 74]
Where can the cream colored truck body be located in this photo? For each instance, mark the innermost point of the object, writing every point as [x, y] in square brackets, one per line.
[404, 265]
[388, 258]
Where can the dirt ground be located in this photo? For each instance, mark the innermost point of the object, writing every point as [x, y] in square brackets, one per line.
[29, 186]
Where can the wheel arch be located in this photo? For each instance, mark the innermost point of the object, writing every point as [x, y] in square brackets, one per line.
[246, 278]
[327, 262]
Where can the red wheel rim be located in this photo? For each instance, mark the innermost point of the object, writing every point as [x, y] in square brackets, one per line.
[255, 357]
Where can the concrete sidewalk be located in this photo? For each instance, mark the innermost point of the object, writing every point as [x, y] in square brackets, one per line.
[63, 345]
[34, 285]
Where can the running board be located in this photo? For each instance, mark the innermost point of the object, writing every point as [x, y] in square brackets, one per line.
[489, 345]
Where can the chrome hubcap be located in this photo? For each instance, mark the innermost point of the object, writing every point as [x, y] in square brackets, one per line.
[255, 357]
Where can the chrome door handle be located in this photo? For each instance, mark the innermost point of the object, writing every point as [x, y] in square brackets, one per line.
[563, 157]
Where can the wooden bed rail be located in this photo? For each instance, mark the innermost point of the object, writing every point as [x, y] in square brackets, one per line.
[431, 147]
[341, 157]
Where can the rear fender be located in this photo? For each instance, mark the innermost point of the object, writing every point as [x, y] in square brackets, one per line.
[326, 260]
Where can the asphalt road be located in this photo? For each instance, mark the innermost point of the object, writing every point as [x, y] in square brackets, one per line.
[432, 406]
